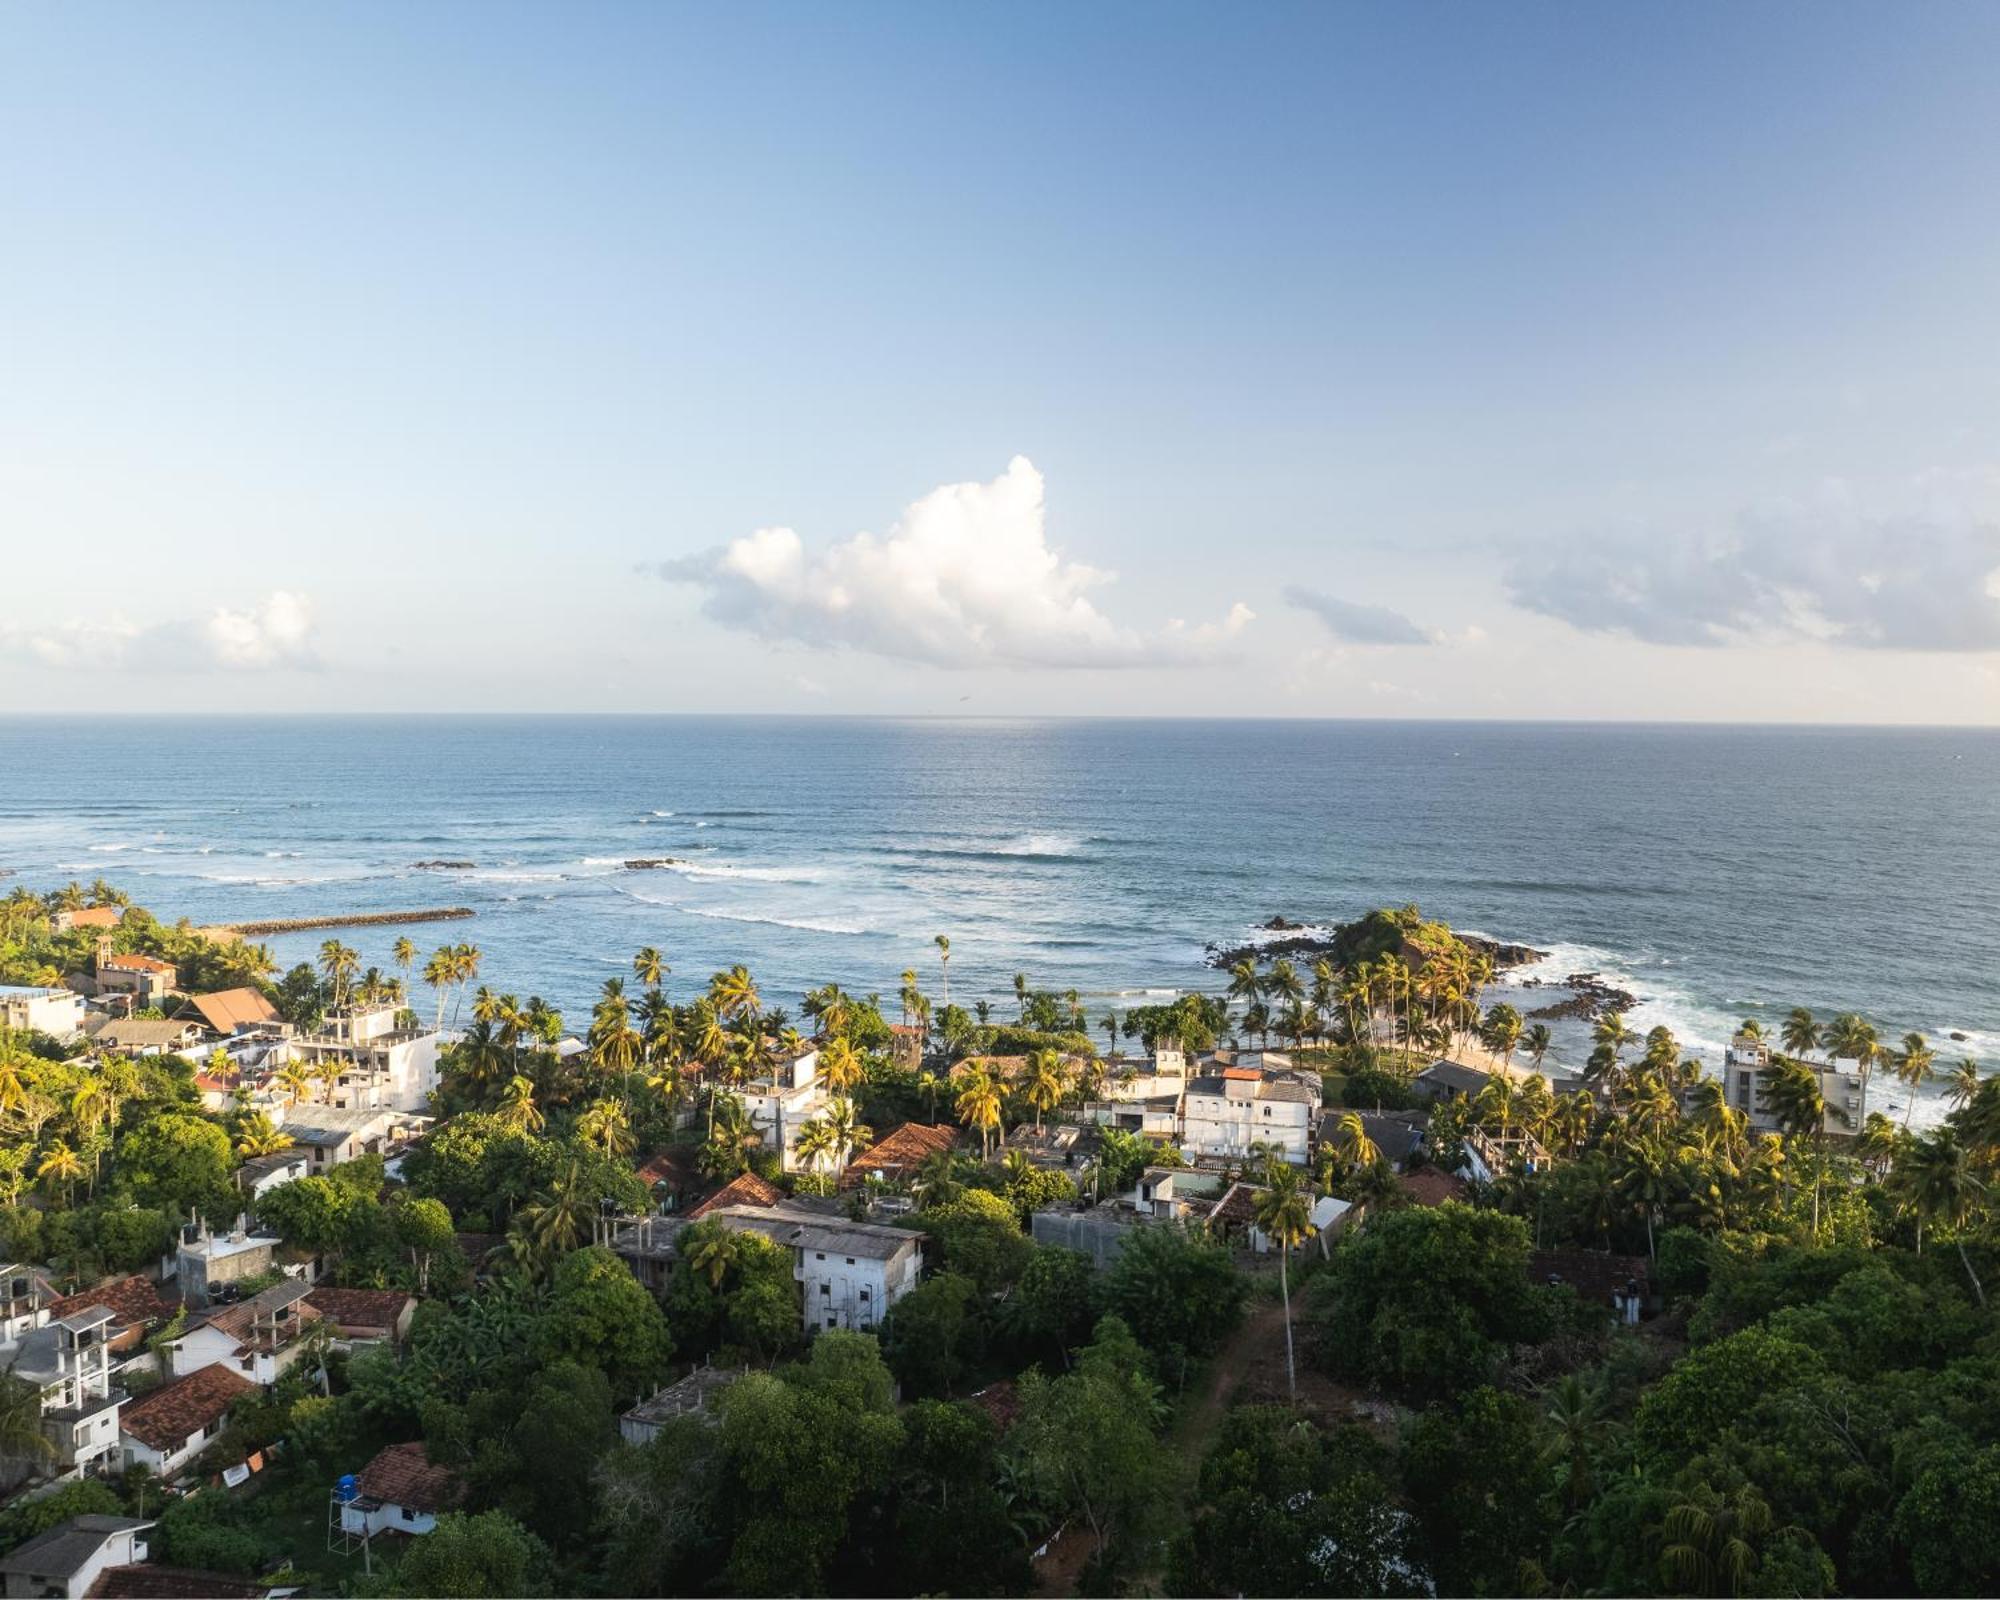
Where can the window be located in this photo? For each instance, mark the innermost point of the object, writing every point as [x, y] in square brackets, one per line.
[864, 1297]
[850, 1261]
[825, 1291]
[819, 1255]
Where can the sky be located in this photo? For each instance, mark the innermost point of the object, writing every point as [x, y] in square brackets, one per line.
[1523, 361]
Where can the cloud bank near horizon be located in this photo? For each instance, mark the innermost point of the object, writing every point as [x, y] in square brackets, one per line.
[1827, 574]
[966, 578]
[278, 632]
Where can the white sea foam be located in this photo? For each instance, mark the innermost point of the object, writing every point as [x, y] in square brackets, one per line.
[803, 924]
[108, 849]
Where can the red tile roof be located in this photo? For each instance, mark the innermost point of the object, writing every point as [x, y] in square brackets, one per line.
[167, 1416]
[95, 917]
[667, 1166]
[403, 1475]
[352, 1310]
[900, 1152]
[136, 964]
[745, 1189]
[230, 1009]
[135, 1300]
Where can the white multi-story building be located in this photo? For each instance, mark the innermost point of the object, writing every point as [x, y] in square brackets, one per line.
[1240, 1107]
[69, 1361]
[57, 1012]
[1843, 1086]
[780, 1105]
[383, 1066]
[259, 1337]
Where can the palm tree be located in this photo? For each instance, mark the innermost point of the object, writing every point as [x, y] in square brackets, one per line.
[814, 1144]
[944, 964]
[734, 992]
[1350, 1138]
[712, 1252]
[606, 1124]
[259, 1136]
[1576, 1414]
[517, 1107]
[1915, 1067]
[1045, 1084]
[59, 1165]
[1283, 1212]
[1711, 1540]
[1021, 994]
[438, 973]
[979, 1105]
[1939, 1183]
[650, 967]
[1963, 1083]
[404, 953]
[840, 1066]
[1854, 1036]
[1502, 1033]
[1800, 1034]
[1646, 1179]
[847, 1131]
[937, 1178]
[1792, 1095]
[1612, 1030]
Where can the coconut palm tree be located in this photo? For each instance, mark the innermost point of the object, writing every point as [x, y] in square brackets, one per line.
[1915, 1067]
[1962, 1083]
[734, 992]
[1792, 1095]
[1645, 1179]
[944, 964]
[1350, 1138]
[258, 1136]
[847, 1131]
[650, 967]
[59, 1165]
[840, 1066]
[606, 1124]
[1578, 1423]
[1853, 1036]
[1502, 1032]
[517, 1107]
[1710, 1543]
[1283, 1212]
[1939, 1182]
[938, 1178]
[1045, 1084]
[814, 1145]
[1613, 1031]
[1800, 1034]
[1021, 995]
[712, 1252]
[980, 1103]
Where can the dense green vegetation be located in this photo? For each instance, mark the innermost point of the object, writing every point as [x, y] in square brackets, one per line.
[1816, 1410]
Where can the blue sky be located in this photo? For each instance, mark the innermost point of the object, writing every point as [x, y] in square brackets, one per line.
[1402, 360]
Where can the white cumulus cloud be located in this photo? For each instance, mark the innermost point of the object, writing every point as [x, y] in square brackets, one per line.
[277, 632]
[966, 578]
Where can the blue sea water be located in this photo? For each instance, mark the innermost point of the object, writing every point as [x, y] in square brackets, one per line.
[1719, 872]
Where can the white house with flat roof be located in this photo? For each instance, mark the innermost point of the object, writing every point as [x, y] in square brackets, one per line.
[1229, 1112]
[1843, 1086]
[57, 1012]
[383, 1065]
[783, 1103]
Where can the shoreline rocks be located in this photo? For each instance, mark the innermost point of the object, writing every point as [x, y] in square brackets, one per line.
[1317, 939]
[1590, 997]
[442, 866]
[653, 863]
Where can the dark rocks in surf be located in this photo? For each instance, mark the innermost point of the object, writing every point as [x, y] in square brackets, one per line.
[442, 865]
[651, 863]
[1589, 997]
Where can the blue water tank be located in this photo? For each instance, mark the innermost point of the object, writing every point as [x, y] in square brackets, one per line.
[349, 1488]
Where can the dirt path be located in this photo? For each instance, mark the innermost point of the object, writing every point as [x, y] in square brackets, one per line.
[1250, 1348]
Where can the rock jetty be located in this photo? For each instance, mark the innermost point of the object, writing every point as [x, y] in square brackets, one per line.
[359, 919]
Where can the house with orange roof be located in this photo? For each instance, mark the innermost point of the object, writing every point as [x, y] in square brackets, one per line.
[895, 1157]
[147, 979]
[166, 1428]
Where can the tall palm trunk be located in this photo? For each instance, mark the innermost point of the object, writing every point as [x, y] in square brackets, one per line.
[1978, 1288]
[1285, 1286]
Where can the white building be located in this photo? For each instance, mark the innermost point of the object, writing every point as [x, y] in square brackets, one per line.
[56, 1012]
[780, 1105]
[1237, 1108]
[69, 1558]
[401, 1491]
[335, 1135]
[24, 1302]
[849, 1273]
[260, 1337]
[166, 1428]
[1843, 1086]
[383, 1066]
[69, 1361]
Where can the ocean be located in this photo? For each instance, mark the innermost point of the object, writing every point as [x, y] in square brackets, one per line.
[1718, 872]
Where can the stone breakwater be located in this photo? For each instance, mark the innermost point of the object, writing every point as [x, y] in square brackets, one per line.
[362, 919]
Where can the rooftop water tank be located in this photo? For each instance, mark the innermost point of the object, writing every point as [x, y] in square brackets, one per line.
[349, 1488]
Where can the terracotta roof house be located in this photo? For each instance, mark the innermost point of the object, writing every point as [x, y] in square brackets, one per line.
[230, 1011]
[669, 1176]
[259, 1337]
[169, 1427]
[1427, 1186]
[745, 1189]
[895, 1157]
[89, 917]
[402, 1491]
[149, 1582]
[378, 1314]
[137, 1303]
